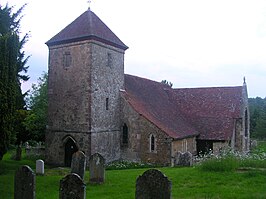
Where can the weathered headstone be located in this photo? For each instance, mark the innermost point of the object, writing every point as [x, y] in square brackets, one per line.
[40, 167]
[97, 169]
[24, 186]
[153, 184]
[18, 153]
[183, 159]
[78, 164]
[72, 187]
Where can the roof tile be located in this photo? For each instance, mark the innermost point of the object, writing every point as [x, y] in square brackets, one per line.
[87, 26]
[180, 113]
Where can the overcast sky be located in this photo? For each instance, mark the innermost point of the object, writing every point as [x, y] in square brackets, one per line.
[192, 43]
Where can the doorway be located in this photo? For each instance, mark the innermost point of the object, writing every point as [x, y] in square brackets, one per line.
[70, 148]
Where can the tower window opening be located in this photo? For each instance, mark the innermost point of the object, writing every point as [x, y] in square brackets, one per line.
[109, 59]
[67, 60]
[107, 103]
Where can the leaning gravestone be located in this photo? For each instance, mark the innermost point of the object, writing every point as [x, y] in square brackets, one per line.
[24, 183]
[153, 184]
[40, 167]
[183, 159]
[97, 169]
[78, 164]
[72, 187]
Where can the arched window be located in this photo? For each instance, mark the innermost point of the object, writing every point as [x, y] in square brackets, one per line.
[152, 143]
[125, 134]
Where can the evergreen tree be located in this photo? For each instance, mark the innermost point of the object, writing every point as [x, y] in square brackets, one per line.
[12, 62]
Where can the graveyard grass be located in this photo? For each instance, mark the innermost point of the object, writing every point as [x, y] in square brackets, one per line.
[188, 182]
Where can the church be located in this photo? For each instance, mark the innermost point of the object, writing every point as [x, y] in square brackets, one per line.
[94, 107]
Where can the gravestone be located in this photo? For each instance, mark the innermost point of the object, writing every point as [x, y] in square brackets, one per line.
[153, 184]
[72, 187]
[18, 153]
[97, 169]
[78, 164]
[24, 185]
[183, 159]
[40, 167]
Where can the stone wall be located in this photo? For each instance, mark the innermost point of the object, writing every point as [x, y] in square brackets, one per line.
[55, 145]
[245, 120]
[69, 87]
[107, 78]
[218, 146]
[139, 132]
[83, 98]
[184, 145]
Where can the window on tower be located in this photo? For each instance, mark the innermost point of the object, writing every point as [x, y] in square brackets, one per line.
[107, 103]
[109, 59]
[67, 60]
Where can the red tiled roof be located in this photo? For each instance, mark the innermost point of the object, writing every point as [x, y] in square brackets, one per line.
[180, 113]
[87, 26]
[211, 110]
[154, 102]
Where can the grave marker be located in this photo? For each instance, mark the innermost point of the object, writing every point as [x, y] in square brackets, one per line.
[78, 164]
[153, 184]
[40, 167]
[72, 187]
[24, 185]
[97, 168]
[183, 159]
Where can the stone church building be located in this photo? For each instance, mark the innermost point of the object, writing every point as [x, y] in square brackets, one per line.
[94, 107]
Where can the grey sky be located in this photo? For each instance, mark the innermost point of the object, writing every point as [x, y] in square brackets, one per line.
[191, 43]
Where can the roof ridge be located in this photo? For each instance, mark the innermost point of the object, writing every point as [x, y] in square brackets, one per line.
[88, 26]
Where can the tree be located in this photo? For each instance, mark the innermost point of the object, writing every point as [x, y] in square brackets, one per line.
[12, 62]
[167, 83]
[257, 107]
[37, 102]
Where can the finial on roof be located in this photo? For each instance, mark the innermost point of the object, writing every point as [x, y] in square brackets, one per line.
[89, 2]
[244, 80]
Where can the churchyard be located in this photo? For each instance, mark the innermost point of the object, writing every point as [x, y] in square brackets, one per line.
[227, 177]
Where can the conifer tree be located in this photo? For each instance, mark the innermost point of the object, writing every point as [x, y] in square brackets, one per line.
[12, 62]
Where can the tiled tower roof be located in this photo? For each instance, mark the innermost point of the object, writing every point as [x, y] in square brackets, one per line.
[87, 26]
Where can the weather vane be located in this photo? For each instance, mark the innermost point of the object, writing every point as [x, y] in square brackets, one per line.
[89, 2]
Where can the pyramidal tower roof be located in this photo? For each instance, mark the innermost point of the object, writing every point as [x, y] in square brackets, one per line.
[87, 26]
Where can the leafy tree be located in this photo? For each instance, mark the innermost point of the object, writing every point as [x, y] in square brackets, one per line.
[257, 107]
[12, 62]
[167, 83]
[36, 120]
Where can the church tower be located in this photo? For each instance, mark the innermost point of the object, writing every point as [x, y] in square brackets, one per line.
[86, 73]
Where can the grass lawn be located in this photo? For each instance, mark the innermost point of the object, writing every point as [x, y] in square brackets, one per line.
[120, 184]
